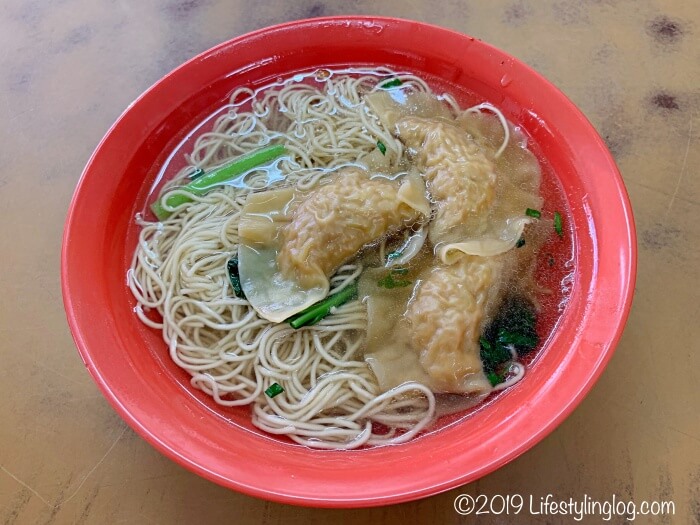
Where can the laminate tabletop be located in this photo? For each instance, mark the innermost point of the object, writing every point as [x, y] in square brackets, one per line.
[68, 68]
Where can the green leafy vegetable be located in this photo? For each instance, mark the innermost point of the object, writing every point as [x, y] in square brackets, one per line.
[493, 354]
[381, 147]
[274, 390]
[206, 182]
[520, 243]
[495, 378]
[533, 213]
[558, 227]
[517, 339]
[394, 82]
[314, 313]
[513, 325]
[234, 277]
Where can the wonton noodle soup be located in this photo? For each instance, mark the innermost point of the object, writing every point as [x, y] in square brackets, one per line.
[362, 195]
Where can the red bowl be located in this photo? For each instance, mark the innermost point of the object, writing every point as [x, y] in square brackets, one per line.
[129, 361]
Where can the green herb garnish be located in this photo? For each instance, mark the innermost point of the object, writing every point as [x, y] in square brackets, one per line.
[394, 82]
[558, 227]
[520, 243]
[314, 313]
[533, 213]
[381, 147]
[274, 390]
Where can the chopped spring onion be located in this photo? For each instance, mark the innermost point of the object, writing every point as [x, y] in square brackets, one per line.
[274, 390]
[381, 147]
[203, 184]
[394, 82]
[558, 227]
[393, 255]
[520, 243]
[533, 213]
[234, 277]
[314, 313]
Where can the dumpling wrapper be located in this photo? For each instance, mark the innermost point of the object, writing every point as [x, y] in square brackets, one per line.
[486, 246]
[388, 352]
[446, 317]
[391, 105]
[517, 168]
[274, 297]
[430, 332]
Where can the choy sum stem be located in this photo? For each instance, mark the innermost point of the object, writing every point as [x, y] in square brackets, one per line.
[201, 185]
[314, 313]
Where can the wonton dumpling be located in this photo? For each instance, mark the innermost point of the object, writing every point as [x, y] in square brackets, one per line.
[446, 318]
[517, 167]
[336, 220]
[459, 176]
[292, 242]
[480, 197]
[436, 340]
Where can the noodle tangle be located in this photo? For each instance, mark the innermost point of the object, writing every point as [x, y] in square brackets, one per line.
[331, 398]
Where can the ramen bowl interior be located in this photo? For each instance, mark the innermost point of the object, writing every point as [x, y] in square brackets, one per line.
[130, 362]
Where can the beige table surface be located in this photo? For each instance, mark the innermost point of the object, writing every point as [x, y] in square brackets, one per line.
[68, 68]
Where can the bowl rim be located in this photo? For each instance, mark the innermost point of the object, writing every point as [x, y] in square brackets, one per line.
[555, 417]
